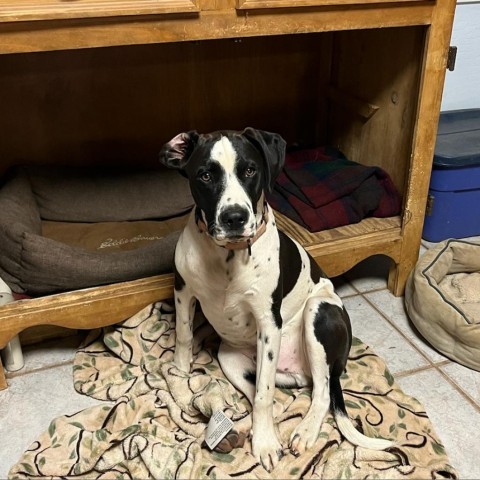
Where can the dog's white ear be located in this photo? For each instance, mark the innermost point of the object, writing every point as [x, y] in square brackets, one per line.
[272, 147]
[177, 151]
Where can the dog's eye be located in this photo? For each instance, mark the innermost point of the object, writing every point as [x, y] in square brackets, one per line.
[206, 177]
[250, 172]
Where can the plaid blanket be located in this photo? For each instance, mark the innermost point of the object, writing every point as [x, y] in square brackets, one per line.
[319, 189]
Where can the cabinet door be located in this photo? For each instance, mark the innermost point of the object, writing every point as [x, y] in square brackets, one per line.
[26, 10]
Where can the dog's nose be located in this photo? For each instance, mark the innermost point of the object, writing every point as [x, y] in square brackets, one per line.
[234, 218]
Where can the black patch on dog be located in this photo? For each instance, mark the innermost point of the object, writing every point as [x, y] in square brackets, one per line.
[337, 402]
[198, 215]
[248, 158]
[277, 304]
[316, 273]
[205, 194]
[270, 355]
[290, 263]
[332, 329]
[179, 281]
[250, 376]
[290, 268]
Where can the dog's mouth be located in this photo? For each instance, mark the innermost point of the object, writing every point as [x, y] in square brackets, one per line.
[222, 237]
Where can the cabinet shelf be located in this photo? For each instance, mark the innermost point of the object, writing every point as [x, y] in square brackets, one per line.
[371, 236]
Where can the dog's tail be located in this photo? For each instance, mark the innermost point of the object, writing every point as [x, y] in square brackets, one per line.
[345, 425]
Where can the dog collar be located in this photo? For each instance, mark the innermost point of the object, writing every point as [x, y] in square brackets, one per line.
[246, 244]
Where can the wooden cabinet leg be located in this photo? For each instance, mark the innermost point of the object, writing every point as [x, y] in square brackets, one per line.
[395, 281]
[399, 272]
[3, 380]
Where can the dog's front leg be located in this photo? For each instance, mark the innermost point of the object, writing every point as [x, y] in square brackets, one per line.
[265, 444]
[185, 310]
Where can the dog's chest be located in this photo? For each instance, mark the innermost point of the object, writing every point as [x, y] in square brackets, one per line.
[232, 285]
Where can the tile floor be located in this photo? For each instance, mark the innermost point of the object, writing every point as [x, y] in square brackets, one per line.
[449, 392]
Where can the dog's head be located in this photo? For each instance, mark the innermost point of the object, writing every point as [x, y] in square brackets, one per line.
[228, 172]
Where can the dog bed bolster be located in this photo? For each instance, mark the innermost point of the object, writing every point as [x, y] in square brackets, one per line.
[442, 299]
[33, 264]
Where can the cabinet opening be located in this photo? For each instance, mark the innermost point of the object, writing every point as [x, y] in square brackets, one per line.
[115, 107]
[355, 90]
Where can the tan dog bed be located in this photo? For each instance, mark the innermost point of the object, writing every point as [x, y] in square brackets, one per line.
[69, 228]
[442, 298]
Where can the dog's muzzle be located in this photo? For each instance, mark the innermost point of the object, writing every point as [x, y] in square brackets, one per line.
[234, 217]
[233, 222]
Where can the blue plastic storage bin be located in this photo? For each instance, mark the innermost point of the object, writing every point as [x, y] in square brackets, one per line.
[453, 209]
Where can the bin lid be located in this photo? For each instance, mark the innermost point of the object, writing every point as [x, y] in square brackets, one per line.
[458, 139]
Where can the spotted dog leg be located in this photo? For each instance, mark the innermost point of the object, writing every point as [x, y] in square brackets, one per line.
[266, 445]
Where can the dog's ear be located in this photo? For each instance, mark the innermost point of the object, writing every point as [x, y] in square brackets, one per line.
[177, 151]
[272, 147]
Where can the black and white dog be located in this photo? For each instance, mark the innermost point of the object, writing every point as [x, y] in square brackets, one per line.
[279, 319]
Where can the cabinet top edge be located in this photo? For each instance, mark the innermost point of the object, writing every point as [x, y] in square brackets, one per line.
[110, 31]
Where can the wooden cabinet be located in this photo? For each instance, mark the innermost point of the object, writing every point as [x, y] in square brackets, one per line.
[108, 82]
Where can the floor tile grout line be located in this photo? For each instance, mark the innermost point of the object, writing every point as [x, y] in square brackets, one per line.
[413, 371]
[373, 290]
[350, 295]
[458, 387]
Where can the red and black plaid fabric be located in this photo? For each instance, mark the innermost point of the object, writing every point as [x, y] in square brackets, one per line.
[319, 188]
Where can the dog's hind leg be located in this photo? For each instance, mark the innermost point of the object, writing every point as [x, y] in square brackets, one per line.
[306, 432]
[328, 338]
[239, 368]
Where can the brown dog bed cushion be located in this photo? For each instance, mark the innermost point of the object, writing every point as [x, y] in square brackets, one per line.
[442, 298]
[52, 218]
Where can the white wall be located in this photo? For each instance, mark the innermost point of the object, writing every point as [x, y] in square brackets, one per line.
[462, 86]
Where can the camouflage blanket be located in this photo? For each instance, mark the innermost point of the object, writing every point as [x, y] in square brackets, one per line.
[154, 423]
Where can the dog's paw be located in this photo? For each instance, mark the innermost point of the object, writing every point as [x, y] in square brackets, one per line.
[303, 437]
[268, 451]
[233, 439]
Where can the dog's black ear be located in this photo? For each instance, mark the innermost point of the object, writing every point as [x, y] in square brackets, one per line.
[177, 151]
[272, 147]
